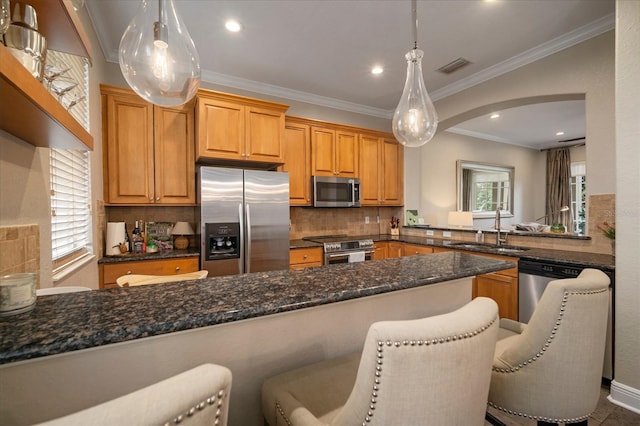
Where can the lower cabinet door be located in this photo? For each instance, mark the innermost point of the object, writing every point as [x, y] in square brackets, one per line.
[501, 288]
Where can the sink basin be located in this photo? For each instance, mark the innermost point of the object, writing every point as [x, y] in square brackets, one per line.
[488, 247]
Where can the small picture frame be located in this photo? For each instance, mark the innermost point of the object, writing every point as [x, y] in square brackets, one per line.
[412, 217]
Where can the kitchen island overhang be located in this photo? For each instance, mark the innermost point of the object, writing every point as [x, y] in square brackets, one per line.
[257, 325]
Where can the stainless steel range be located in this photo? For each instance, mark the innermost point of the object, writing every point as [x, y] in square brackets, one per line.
[344, 249]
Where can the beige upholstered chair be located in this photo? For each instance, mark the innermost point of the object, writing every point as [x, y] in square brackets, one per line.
[550, 369]
[428, 371]
[134, 280]
[199, 396]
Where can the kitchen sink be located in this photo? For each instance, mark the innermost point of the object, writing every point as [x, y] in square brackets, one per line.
[488, 247]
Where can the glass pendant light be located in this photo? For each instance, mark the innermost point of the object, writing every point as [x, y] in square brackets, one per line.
[157, 55]
[415, 119]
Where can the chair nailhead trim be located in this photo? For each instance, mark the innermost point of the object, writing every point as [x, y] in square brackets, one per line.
[539, 355]
[542, 350]
[539, 418]
[281, 411]
[397, 344]
[199, 407]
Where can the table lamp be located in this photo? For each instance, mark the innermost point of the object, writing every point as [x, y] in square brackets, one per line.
[181, 229]
[459, 219]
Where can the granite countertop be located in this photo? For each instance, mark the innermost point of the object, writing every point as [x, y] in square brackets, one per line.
[568, 257]
[131, 257]
[294, 244]
[71, 321]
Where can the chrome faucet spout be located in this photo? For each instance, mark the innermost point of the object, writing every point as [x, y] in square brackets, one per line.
[499, 239]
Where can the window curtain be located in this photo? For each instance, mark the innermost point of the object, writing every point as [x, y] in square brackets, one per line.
[467, 189]
[559, 186]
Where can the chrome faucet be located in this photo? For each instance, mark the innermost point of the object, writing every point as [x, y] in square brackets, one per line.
[499, 239]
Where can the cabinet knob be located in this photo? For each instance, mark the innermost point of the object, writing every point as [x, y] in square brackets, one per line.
[157, 198]
[128, 272]
[177, 268]
[150, 198]
[305, 256]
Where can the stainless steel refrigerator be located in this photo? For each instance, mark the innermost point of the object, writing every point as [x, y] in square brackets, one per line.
[243, 220]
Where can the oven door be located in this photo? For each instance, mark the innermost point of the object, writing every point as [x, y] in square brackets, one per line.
[347, 257]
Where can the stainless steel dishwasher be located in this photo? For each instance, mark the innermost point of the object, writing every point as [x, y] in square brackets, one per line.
[533, 277]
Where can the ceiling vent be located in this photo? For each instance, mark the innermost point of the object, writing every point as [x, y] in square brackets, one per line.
[453, 66]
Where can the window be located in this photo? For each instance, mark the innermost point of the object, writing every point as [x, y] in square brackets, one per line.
[70, 175]
[579, 196]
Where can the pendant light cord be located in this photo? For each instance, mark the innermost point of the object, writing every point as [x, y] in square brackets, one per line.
[414, 17]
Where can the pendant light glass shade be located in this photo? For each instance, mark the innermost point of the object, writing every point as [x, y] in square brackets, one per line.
[415, 120]
[157, 55]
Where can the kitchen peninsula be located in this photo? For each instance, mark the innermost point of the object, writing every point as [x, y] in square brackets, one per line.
[93, 346]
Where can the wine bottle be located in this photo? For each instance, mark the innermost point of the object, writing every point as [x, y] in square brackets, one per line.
[138, 240]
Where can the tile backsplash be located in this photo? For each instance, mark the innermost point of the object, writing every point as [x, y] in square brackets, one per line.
[19, 249]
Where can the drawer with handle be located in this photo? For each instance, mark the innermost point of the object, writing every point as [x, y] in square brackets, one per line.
[148, 267]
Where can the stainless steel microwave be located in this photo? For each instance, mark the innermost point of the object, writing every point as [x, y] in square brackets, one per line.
[329, 191]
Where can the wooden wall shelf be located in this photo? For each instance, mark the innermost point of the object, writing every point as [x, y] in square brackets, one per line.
[27, 110]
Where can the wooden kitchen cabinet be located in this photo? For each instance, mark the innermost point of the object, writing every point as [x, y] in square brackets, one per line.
[414, 249]
[148, 150]
[395, 249]
[501, 286]
[297, 161]
[235, 128]
[110, 272]
[334, 152]
[381, 171]
[381, 250]
[307, 257]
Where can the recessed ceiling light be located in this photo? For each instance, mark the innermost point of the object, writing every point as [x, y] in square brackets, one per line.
[377, 70]
[559, 133]
[233, 26]
[494, 115]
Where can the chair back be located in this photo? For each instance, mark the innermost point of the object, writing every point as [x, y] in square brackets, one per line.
[197, 397]
[135, 279]
[553, 369]
[434, 370]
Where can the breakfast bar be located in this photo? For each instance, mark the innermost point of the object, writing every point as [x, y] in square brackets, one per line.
[93, 346]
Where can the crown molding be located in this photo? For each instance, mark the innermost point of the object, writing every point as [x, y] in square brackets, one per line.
[593, 29]
[296, 95]
[477, 135]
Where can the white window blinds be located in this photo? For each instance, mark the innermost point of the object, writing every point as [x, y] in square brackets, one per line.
[70, 202]
[70, 174]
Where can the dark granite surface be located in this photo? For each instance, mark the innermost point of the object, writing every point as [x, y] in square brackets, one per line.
[510, 232]
[294, 244]
[567, 257]
[71, 321]
[130, 257]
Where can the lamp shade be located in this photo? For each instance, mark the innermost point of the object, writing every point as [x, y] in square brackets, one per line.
[182, 228]
[460, 219]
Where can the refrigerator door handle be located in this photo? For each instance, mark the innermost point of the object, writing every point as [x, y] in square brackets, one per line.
[248, 250]
[241, 220]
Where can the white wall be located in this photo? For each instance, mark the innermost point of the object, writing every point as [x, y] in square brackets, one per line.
[587, 68]
[438, 177]
[626, 386]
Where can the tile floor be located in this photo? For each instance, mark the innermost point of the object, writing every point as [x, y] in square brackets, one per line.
[606, 414]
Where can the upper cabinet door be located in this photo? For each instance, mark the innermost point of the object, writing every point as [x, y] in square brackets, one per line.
[297, 162]
[221, 129]
[370, 170]
[392, 163]
[264, 133]
[175, 155]
[346, 154]
[238, 130]
[323, 152]
[129, 162]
